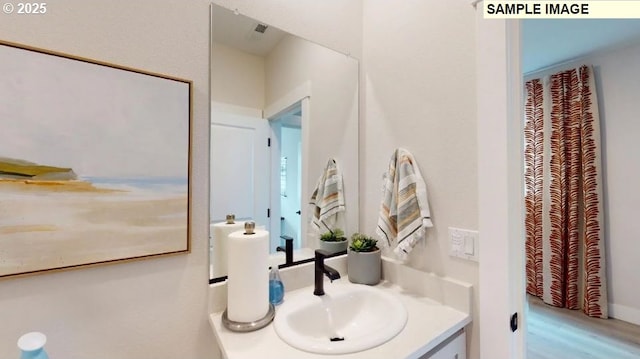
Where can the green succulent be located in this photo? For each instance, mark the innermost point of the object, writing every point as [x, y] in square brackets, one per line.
[337, 235]
[363, 243]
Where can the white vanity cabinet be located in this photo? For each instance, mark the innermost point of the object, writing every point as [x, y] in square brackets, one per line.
[453, 348]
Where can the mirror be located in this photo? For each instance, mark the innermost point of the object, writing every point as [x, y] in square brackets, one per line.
[281, 107]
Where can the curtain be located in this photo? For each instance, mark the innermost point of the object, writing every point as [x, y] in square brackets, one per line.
[563, 192]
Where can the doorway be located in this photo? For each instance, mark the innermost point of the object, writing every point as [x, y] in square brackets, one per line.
[286, 169]
[607, 45]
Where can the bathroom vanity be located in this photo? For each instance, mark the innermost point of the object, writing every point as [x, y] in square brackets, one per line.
[438, 310]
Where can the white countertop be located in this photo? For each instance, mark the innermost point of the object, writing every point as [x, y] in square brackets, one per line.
[429, 323]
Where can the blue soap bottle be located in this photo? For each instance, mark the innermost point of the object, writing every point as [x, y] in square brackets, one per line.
[276, 288]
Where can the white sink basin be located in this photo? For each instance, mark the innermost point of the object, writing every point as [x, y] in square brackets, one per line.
[348, 318]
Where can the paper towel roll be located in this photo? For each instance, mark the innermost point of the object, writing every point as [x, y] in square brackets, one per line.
[221, 232]
[248, 283]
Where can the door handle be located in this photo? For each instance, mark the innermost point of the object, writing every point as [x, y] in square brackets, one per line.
[298, 212]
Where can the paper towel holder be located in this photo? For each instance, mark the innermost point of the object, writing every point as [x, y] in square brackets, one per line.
[251, 326]
[249, 229]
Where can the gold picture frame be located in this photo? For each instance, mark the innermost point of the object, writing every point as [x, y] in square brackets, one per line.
[94, 162]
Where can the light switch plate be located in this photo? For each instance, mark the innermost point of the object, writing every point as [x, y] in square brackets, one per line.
[463, 243]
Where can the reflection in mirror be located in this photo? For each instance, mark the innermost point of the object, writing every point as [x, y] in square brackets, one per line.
[281, 107]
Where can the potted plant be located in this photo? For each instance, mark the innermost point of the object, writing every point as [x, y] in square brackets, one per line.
[333, 241]
[364, 260]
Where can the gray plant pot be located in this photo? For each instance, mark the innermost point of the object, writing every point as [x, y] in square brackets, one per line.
[364, 267]
[334, 247]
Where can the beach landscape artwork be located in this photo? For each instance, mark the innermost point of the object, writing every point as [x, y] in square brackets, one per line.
[94, 162]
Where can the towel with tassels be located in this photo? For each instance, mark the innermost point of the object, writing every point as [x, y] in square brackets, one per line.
[327, 199]
[404, 210]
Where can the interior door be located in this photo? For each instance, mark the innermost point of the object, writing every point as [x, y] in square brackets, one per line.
[239, 167]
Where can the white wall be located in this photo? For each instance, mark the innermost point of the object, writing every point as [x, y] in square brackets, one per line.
[332, 129]
[419, 78]
[237, 77]
[617, 74]
[154, 308]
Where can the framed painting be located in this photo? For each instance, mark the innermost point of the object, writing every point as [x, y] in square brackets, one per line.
[94, 162]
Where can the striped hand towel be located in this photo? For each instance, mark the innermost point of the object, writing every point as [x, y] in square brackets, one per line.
[328, 198]
[404, 210]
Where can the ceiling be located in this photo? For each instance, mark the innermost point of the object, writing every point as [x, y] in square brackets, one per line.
[550, 42]
[544, 42]
[238, 31]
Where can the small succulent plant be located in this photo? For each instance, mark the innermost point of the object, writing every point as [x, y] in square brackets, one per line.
[363, 243]
[335, 235]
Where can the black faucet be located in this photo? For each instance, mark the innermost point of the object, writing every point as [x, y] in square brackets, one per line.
[321, 271]
[288, 249]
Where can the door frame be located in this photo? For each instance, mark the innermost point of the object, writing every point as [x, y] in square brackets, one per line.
[500, 187]
[302, 95]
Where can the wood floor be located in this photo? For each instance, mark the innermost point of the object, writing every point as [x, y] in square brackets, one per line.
[555, 333]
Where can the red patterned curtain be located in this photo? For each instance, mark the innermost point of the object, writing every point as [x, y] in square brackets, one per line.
[563, 192]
